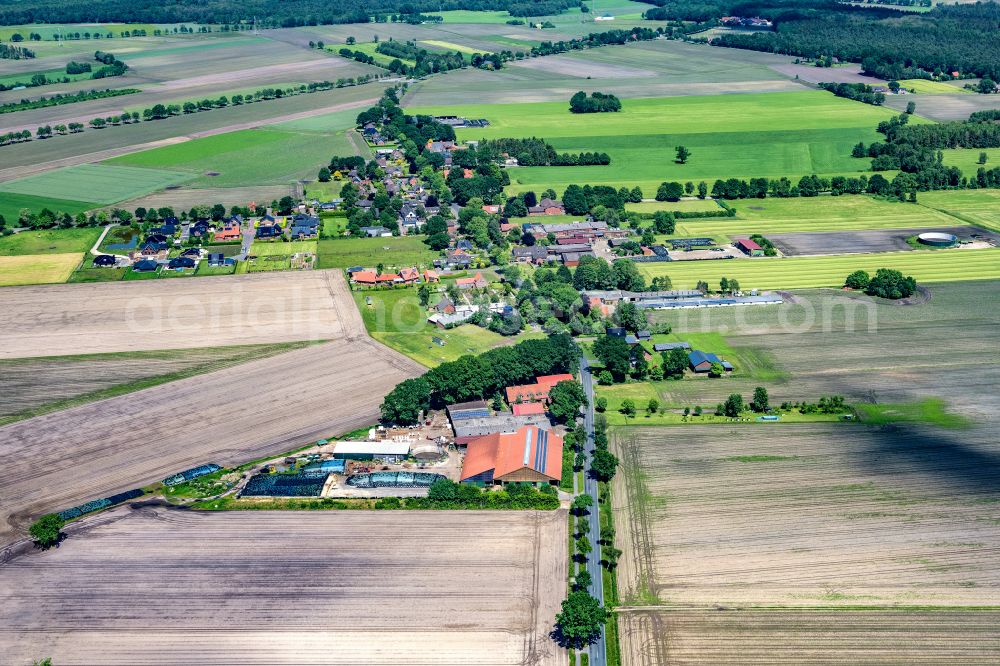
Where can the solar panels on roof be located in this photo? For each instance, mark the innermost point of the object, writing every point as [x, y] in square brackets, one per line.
[469, 414]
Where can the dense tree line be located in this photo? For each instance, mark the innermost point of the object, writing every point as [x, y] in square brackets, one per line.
[596, 39]
[536, 152]
[482, 376]
[949, 38]
[272, 13]
[859, 92]
[432, 62]
[582, 200]
[64, 98]
[598, 102]
[8, 52]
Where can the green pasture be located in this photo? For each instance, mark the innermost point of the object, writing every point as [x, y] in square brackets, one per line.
[930, 410]
[843, 213]
[926, 87]
[104, 183]
[11, 205]
[830, 271]
[469, 16]
[49, 31]
[206, 43]
[980, 207]
[396, 252]
[326, 123]
[49, 241]
[742, 136]
[245, 157]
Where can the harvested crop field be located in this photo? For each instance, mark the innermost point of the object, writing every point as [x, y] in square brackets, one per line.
[185, 198]
[37, 269]
[809, 638]
[238, 414]
[849, 242]
[175, 314]
[152, 586]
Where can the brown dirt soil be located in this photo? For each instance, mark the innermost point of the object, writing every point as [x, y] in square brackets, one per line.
[176, 314]
[152, 586]
[809, 638]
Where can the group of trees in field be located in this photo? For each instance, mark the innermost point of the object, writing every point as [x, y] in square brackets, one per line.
[431, 62]
[598, 102]
[886, 283]
[596, 39]
[8, 52]
[859, 92]
[536, 152]
[266, 13]
[482, 376]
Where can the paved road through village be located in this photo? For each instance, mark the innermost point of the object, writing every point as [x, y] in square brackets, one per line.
[598, 651]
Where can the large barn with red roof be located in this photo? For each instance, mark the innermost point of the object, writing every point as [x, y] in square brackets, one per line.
[532, 455]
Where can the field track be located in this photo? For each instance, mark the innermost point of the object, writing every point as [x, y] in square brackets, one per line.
[11, 173]
[230, 416]
[153, 586]
[176, 314]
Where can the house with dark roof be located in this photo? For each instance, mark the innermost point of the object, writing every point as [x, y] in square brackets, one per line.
[702, 361]
[180, 263]
[529, 455]
[445, 306]
[219, 259]
[535, 254]
[548, 207]
[145, 266]
[667, 346]
[105, 261]
[304, 226]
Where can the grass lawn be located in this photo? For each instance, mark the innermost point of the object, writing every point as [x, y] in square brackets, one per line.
[11, 205]
[324, 191]
[205, 269]
[333, 225]
[452, 46]
[101, 182]
[396, 252]
[742, 136]
[397, 320]
[282, 249]
[88, 273]
[930, 410]
[49, 241]
[38, 268]
[830, 271]
[246, 157]
[925, 87]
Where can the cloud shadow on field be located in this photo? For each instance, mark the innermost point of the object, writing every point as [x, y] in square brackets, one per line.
[945, 456]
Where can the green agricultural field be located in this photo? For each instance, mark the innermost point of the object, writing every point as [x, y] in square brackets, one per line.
[925, 87]
[11, 205]
[980, 207]
[843, 213]
[101, 182]
[245, 157]
[49, 32]
[38, 268]
[742, 136]
[469, 16]
[830, 271]
[394, 252]
[326, 123]
[49, 241]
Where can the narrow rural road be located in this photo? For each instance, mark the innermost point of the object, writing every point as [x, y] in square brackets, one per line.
[598, 651]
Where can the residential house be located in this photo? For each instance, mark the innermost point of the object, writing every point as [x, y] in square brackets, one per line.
[217, 259]
[475, 282]
[531, 454]
[445, 306]
[702, 361]
[409, 275]
[145, 266]
[304, 226]
[458, 259]
[376, 232]
[230, 231]
[667, 346]
[105, 261]
[535, 254]
[537, 392]
[180, 263]
[548, 207]
[431, 276]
